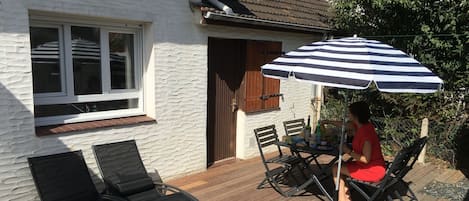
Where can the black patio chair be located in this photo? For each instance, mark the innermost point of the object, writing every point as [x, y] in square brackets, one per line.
[125, 175]
[266, 138]
[294, 127]
[392, 185]
[65, 177]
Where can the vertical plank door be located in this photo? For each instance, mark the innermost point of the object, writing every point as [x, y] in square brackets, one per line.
[225, 73]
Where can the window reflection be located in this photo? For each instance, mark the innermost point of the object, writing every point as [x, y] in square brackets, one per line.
[121, 48]
[86, 54]
[45, 55]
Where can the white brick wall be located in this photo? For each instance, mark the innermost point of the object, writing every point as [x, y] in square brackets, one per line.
[175, 43]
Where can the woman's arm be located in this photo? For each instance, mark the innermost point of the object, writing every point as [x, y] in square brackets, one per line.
[365, 157]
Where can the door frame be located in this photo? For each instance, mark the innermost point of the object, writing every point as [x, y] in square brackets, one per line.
[237, 96]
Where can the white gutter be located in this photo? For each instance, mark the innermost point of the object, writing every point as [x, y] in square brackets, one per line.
[256, 21]
[222, 6]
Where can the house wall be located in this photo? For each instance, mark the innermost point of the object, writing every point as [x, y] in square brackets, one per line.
[175, 90]
[296, 102]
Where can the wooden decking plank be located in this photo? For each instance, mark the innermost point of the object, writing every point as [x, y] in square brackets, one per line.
[425, 179]
[456, 177]
[193, 185]
[445, 175]
[228, 186]
[238, 181]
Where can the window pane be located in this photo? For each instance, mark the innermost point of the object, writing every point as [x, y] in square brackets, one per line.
[86, 60]
[45, 55]
[78, 108]
[121, 48]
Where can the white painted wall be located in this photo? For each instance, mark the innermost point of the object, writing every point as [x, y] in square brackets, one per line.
[296, 104]
[175, 90]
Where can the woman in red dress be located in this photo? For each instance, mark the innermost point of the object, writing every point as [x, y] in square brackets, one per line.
[368, 162]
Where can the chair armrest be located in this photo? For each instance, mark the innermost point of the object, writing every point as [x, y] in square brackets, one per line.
[112, 198]
[369, 184]
[164, 188]
[283, 144]
[285, 164]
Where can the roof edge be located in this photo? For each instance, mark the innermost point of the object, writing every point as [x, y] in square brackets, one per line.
[254, 21]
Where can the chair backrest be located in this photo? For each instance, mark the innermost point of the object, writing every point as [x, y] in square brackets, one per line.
[267, 137]
[119, 159]
[294, 127]
[394, 171]
[63, 176]
[404, 161]
[415, 149]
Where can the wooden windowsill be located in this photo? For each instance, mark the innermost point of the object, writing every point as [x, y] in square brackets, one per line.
[65, 128]
[263, 111]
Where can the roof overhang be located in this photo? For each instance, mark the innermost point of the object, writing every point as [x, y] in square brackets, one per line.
[242, 21]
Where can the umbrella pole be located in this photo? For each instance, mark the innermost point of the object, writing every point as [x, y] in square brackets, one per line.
[342, 140]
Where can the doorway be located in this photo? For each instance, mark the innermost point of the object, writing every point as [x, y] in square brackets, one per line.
[226, 60]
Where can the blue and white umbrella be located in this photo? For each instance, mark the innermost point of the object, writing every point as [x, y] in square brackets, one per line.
[355, 63]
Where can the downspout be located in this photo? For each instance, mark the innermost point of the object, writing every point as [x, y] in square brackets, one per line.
[222, 6]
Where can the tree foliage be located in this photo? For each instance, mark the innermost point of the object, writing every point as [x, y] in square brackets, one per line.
[436, 33]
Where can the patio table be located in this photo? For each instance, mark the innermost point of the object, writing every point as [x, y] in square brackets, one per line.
[315, 153]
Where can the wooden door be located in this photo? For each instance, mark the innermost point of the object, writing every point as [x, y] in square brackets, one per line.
[225, 73]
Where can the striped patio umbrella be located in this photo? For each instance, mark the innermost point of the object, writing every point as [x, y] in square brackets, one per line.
[355, 63]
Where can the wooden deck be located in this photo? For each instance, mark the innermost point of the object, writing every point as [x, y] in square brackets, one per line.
[238, 181]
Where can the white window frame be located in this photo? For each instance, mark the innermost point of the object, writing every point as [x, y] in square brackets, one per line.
[67, 95]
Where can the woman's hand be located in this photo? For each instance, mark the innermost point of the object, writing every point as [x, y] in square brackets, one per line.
[365, 157]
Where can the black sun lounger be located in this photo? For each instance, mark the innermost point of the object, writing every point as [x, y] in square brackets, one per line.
[125, 175]
[65, 177]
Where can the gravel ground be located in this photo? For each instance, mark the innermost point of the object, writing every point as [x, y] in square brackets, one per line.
[453, 192]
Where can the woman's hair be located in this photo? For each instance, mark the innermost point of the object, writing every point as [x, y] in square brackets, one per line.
[361, 110]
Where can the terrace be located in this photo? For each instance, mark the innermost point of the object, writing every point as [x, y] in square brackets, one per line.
[238, 181]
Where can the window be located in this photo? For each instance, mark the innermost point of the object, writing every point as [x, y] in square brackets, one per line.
[85, 72]
[261, 93]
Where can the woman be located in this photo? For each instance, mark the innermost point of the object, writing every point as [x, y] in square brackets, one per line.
[367, 160]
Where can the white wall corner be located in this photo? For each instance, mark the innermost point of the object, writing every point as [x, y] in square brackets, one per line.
[241, 135]
[148, 81]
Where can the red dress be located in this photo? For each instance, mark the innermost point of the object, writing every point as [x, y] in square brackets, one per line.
[375, 170]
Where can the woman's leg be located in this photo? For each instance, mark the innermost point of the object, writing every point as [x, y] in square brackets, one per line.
[343, 189]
